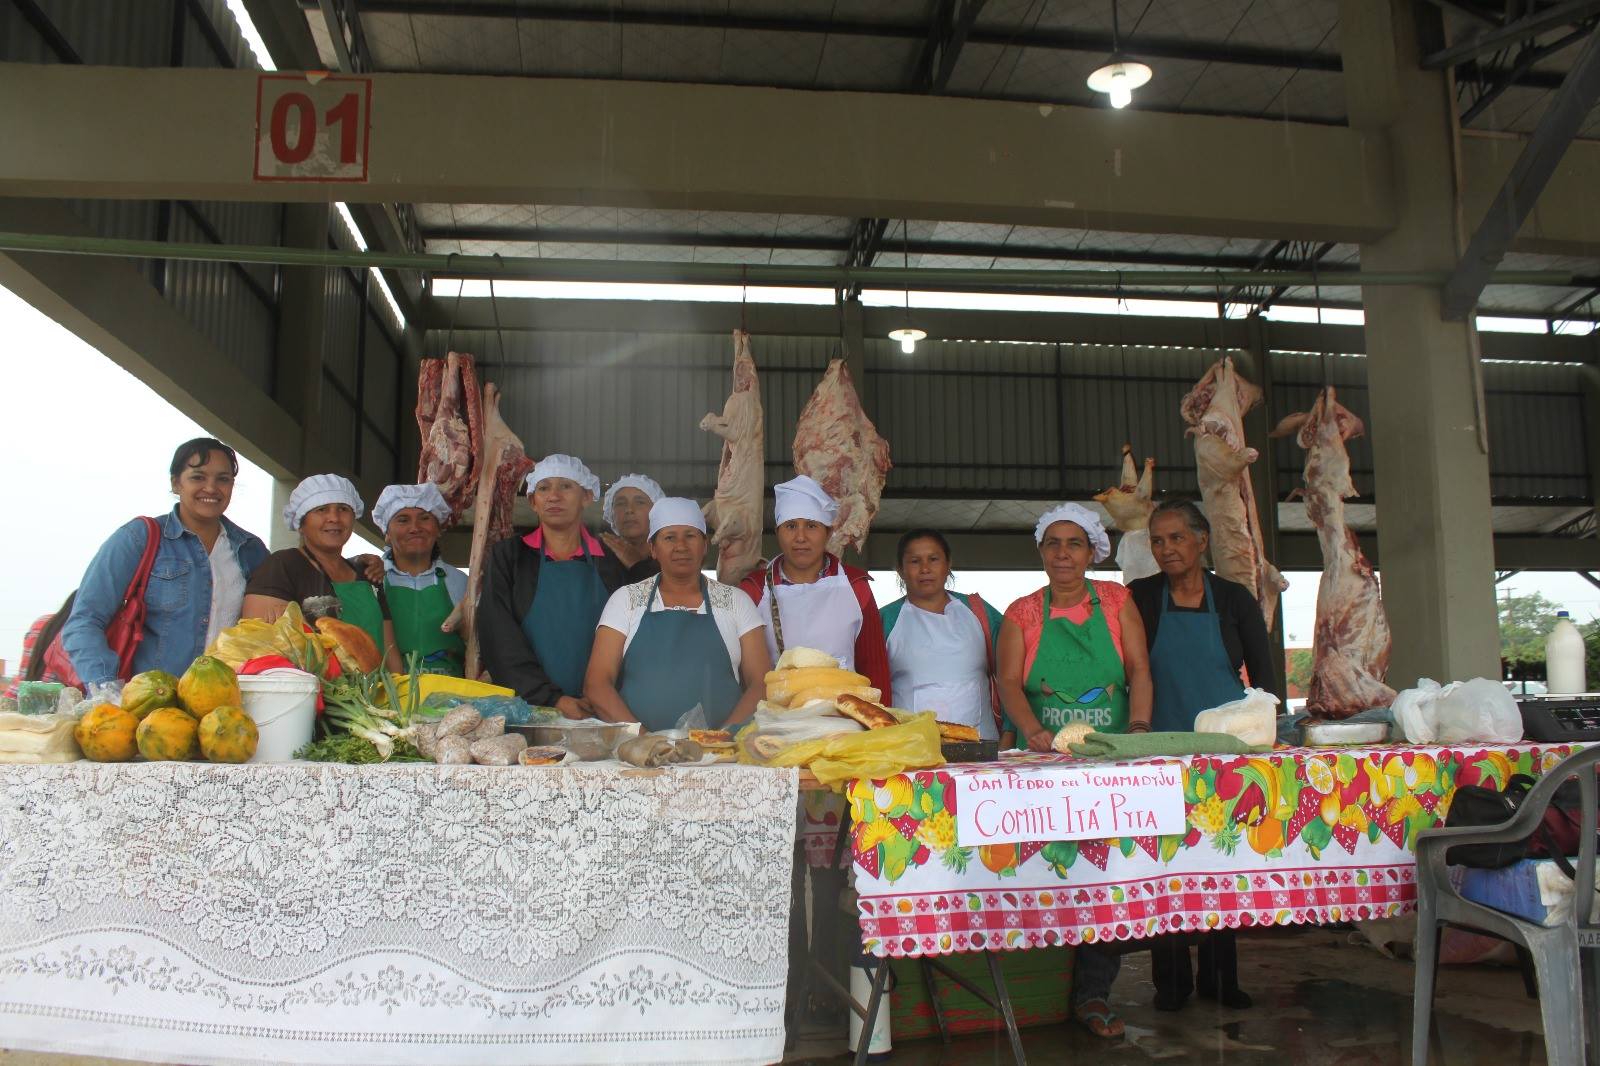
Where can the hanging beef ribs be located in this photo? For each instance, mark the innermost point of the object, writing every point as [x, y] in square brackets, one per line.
[450, 420]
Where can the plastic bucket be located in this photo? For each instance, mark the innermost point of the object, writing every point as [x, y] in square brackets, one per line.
[283, 704]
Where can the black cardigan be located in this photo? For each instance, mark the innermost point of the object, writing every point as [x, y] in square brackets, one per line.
[1244, 631]
[510, 581]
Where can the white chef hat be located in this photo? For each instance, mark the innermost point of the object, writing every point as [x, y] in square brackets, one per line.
[643, 482]
[675, 511]
[567, 466]
[803, 498]
[317, 490]
[1085, 518]
[396, 498]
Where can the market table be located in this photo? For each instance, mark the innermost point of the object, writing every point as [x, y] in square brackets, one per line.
[395, 914]
[1292, 836]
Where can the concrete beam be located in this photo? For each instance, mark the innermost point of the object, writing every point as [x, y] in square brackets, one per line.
[795, 320]
[112, 307]
[86, 132]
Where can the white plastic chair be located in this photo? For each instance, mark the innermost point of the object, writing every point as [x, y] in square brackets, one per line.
[1556, 951]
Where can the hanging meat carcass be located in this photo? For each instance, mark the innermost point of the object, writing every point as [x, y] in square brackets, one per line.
[1350, 655]
[502, 467]
[450, 419]
[735, 511]
[836, 444]
[1215, 410]
[1129, 504]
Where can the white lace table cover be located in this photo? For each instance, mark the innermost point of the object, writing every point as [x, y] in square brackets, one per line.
[395, 914]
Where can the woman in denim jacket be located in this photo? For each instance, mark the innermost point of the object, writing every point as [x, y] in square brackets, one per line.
[196, 586]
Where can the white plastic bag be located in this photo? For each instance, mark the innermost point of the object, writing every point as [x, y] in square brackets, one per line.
[1414, 713]
[1253, 719]
[1477, 711]
[1134, 558]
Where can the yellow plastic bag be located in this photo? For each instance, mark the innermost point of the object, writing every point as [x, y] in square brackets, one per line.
[252, 638]
[874, 753]
[428, 684]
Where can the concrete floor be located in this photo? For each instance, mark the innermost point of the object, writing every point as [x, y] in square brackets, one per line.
[1321, 1000]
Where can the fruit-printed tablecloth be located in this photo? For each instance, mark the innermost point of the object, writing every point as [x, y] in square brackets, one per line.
[1294, 836]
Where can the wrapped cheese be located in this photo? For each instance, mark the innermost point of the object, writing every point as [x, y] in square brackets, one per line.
[833, 692]
[1253, 719]
[37, 738]
[799, 658]
[784, 685]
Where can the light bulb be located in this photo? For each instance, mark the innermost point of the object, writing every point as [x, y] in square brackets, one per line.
[908, 336]
[908, 345]
[1121, 92]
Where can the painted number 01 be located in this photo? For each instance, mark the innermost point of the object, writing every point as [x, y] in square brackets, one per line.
[344, 115]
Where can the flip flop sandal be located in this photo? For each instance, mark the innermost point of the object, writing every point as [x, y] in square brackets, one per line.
[1097, 1017]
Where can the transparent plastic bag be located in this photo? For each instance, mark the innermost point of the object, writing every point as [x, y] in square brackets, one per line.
[1253, 719]
[1479, 711]
[870, 753]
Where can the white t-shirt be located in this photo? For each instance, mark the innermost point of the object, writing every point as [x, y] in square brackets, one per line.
[735, 614]
[227, 588]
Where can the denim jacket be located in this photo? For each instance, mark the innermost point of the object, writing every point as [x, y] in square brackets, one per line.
[177, 605]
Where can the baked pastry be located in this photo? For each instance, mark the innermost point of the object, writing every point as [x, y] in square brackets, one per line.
[951, 733]
[543, 756]
[712, 739]
[866, 712]
[1070, 734]
[352, 645]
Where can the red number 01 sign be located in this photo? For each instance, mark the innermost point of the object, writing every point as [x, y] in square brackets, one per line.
[312, 127]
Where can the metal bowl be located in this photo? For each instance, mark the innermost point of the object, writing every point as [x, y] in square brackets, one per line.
[588, 741]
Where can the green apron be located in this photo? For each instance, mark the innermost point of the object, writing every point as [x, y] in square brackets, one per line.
[358, 605]
[1077, 675]
[417, 615]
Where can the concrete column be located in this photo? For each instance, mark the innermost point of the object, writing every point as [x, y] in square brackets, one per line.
[1434, 530]
[280, 536]
[1255, 363]
[298, 386]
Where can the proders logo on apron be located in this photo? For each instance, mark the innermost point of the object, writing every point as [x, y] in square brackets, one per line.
[1077, 673]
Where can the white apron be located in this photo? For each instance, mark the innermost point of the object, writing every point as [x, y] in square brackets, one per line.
[940, 663]
[824, 615]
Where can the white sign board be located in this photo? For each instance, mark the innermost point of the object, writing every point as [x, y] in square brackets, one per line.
[1069, 803]
[312, 127]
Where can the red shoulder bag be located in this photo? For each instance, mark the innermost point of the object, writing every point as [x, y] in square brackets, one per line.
[126, 628]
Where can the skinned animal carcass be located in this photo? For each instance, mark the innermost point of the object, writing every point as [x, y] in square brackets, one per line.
[836, 444]
[734, 512]
[1130, 503]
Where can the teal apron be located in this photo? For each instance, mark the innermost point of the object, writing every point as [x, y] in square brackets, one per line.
[560, 622]
[1189, 665]
[417, 615]
[675, 662]
[1077, 675]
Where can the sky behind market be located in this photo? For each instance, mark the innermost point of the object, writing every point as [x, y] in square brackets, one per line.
[65, 502]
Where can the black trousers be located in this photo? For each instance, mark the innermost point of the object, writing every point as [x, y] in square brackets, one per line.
[1219, 964]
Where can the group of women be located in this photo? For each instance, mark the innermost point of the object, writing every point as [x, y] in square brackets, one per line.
[626, 627]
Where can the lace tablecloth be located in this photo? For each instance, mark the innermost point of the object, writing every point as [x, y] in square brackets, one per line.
[192, 913]
[1295, 836]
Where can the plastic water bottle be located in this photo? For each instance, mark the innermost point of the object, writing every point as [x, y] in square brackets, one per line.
[1564, 655]
[879, 1041]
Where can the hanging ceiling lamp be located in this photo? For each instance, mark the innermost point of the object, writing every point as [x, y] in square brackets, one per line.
[1119, 75]
[908, 335]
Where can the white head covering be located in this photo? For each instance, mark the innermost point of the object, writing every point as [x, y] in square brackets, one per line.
[803, 498]
[675, 511]
[317, 490]
[1087, 519]
[642, 482]
[396, 498]
[567, 466]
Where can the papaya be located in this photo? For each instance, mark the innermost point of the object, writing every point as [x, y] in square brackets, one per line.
[106, 734]
[168, 735]
[149, 691]
[208, 684]
[227, 734]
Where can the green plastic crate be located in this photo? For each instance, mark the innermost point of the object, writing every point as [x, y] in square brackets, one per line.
[1040, 983]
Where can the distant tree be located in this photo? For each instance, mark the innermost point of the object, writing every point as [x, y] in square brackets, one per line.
[1591, 642]
[1524, 623]
[1298, 667]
